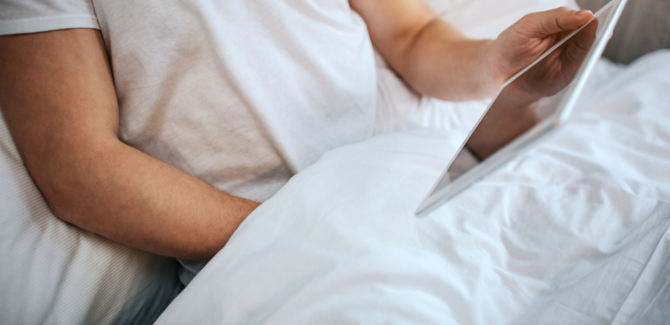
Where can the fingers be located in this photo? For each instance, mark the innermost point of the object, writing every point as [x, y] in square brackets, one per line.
[584, 39]
[543, 24]
[577, 48]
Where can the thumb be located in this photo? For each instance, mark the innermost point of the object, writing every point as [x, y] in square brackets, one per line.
[543, 24]
[577, 48]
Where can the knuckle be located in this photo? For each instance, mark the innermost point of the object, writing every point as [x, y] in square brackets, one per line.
[528, 19]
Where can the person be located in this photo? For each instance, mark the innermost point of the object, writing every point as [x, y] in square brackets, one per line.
[163, 124]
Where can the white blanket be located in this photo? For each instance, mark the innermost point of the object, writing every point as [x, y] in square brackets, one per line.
[576, 231]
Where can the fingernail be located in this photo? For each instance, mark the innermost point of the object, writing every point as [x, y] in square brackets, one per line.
[581, 13]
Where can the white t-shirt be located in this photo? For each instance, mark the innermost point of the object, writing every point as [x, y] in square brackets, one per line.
[241, 94]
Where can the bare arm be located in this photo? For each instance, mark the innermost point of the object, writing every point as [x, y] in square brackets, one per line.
[437, 60]
[432, 56]
[58, 98]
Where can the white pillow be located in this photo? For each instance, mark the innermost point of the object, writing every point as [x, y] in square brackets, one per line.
[401, 109]
[55, 273]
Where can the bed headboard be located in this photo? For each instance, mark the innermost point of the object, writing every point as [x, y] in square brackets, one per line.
[644, 27]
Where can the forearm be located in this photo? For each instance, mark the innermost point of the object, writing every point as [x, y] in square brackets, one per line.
[63, 114]
[433, 57]
[445, 64]
[127, 196]
[439, 61]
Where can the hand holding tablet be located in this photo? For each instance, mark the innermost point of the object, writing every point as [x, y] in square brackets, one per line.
[534, 101]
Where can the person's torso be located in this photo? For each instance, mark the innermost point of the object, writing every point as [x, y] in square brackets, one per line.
[241, 94]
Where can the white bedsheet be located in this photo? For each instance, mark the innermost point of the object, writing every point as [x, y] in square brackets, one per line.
[576, 231]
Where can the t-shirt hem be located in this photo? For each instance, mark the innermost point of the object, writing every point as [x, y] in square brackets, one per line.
[25, 26]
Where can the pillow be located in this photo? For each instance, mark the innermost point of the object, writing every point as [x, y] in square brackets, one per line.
[55, 273]
[400, 109]
[644, 27]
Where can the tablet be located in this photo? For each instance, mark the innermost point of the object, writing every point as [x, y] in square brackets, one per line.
[552, 108]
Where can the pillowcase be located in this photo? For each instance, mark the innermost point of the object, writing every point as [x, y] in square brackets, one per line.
[55, 273]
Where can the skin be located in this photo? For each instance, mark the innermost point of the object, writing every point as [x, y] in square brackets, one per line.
[545, 79]
[62, 112]
[438, 61]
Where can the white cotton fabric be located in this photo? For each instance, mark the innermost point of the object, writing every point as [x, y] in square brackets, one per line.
[20, 16]
[575, 231]
[241, 94]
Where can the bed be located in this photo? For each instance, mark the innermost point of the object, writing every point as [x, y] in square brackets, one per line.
[575, 231]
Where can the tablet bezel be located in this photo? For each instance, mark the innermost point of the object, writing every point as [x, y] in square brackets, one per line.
[437, 197]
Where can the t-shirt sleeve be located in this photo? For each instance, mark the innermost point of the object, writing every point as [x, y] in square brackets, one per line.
[31, 16]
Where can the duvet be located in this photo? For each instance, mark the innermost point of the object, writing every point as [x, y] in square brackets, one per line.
[575, 231]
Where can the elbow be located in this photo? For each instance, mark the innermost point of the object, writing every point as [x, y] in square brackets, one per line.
[63, 185]
[62, 200]
[67, 178]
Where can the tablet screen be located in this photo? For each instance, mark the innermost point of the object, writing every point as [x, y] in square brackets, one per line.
[516, 111]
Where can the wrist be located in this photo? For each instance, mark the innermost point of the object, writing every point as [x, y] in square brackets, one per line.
[495, 72]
